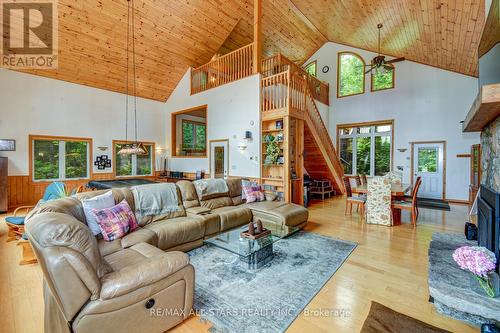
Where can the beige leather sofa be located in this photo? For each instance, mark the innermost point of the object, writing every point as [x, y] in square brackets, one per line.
[92, 285]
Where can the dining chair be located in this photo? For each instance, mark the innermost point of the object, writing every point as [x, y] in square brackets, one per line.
[364, 181]
[378, 201]
[410, 205]
[358, 180]
[350, 200]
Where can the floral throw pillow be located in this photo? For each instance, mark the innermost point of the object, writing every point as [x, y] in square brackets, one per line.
[115, 222]
[253, 193]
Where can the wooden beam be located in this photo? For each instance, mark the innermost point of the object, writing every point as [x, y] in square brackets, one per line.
[257, 36]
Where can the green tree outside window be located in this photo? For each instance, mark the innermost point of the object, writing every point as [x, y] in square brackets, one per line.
[351, 74]
[382, 80]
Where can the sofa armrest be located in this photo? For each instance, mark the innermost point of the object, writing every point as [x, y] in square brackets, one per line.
[198, 210]
[149, 271]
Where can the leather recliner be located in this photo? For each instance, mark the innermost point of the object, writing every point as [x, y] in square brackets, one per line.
[137, 289]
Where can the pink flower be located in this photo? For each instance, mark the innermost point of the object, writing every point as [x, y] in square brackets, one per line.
[476, 259]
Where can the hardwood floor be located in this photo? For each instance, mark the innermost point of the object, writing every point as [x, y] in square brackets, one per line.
[388, 266]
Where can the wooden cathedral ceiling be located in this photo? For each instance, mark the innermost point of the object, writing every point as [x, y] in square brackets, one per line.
[175, 34]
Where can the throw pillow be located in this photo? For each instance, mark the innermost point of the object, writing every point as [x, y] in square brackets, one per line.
[116, 222]
[245, 182]
[253, 193]
[102, 201]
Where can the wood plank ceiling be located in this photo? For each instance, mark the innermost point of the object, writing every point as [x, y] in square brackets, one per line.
[173, 35]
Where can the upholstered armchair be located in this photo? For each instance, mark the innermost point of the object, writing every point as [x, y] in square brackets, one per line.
[378, 201]
[140, 289]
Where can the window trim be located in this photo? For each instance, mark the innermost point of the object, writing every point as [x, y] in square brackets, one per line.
[195, 123]
[393, 80]
[173, 131]
[339, 55]
[90, 157]
[315, 68]
[153, 160]
[372, 151]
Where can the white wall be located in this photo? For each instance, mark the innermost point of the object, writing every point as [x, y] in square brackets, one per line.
[426, 104]
[231, 110]
[36, 105]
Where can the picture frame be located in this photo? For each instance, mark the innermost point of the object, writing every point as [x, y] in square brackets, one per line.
[7, 145]
[279, 124]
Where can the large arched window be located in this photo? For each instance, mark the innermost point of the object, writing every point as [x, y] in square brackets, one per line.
[383, 78]
[350, 74]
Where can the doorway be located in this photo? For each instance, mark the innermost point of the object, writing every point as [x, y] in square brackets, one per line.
[428, 161]
[219, 158]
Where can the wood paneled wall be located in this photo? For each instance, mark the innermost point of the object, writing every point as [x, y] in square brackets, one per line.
[22, 191]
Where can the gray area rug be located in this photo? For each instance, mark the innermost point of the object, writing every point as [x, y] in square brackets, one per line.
[236, 299]
[450, 287]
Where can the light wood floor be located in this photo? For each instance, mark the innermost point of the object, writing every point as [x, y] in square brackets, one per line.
[388, 266]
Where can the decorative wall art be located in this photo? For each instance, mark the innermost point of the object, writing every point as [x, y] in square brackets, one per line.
[102, 162]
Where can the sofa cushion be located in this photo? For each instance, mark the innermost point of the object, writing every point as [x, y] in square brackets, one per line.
[233, 216]
[211, 188]
[188, 193]
[141, 235]
[198, 210]
[287, 214]
[176, 231]
[217, 202]
[212, 223]
[131, 256]
[265, 206]
[115, 222]
[234, 186]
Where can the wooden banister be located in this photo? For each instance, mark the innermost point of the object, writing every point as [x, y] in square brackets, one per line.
[230, 67]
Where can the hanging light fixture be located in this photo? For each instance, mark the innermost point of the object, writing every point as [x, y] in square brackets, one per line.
[135, 147]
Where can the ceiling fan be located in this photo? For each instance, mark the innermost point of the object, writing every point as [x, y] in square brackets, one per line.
[379, 63]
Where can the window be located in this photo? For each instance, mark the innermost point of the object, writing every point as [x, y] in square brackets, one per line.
[366, 148]
[383, 79]
[189, 132]
[350, 74]
[428, 159]
[312, 68]
[194, 136]
[133, 165]
[56, 158]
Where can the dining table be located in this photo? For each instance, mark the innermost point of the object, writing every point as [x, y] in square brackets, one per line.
[398, 192]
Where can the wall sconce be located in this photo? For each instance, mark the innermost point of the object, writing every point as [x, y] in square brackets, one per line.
[402, 150]
[102, 148]
[242, 146]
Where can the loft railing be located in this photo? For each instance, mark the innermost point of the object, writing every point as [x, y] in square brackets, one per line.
[224, 69]
[283, 90]
[279, 63]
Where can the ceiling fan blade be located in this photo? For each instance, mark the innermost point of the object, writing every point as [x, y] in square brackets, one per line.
[389, 68]
[368, 71]
[395, 60]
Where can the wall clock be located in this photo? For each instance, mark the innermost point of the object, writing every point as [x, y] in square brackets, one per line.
[325, 69]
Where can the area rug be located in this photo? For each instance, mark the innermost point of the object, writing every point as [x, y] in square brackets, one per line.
[449, 286]
[236, 299]
[381, 319]
[433, 204]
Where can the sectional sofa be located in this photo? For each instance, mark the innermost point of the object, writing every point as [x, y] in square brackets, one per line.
[94, 285]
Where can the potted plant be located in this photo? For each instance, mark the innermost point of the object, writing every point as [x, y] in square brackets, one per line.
[481, 262]
[272, 150]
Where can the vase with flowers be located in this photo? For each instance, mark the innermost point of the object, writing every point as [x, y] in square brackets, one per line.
[481, 262]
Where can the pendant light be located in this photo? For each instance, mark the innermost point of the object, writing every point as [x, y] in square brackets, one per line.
[135, 147]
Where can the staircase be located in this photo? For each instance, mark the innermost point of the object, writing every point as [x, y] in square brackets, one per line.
[288, 112]
[288, 91]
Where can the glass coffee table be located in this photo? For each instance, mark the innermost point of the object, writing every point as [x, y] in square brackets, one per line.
[254, 253]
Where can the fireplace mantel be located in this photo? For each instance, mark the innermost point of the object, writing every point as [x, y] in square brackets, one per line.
[484, 110]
